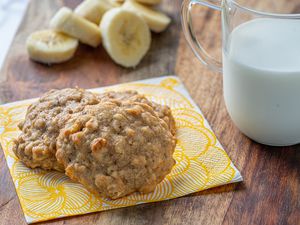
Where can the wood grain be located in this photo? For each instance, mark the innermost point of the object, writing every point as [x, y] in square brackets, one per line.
[270, 191]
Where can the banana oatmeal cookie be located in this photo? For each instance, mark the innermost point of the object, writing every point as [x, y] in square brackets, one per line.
[163, 111]
[116, 148]
[36, 146]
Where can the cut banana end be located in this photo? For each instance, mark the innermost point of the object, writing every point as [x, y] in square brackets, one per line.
[69, 23]
[48, 46]
[157, 21]
[93, 10]
[126, 36]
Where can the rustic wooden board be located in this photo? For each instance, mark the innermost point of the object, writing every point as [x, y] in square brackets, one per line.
[270, 192]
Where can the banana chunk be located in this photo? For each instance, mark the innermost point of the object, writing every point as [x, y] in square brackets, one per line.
[116, 3]
[48, 46]
[126, 36]
[93, 10]
[69, 23]
[157, 21]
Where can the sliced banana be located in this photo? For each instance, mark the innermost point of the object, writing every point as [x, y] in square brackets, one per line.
[157, 21]
[116, 3]
[93, 10]
[126, 36]
[69, 23]
[48, 46]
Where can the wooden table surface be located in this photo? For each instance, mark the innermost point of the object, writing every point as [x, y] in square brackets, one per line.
[270, 191]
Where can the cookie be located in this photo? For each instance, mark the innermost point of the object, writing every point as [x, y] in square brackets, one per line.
[116, 148]
[163, 111]
[36, 146]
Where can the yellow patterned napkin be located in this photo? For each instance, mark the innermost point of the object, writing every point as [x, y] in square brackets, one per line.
[201, 162]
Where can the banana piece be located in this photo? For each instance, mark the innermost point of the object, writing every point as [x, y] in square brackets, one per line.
[69, 23]
[157, 21]
[93, 10]
[116, 3]
[48, 46]
[126, 36]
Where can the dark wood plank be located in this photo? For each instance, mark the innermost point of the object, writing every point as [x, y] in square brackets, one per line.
[270, 192]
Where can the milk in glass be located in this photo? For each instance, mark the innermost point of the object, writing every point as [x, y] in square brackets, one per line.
[261, 68]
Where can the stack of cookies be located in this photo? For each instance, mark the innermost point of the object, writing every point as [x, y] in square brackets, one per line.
[114, 143]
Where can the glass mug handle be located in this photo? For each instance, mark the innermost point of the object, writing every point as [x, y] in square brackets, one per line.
[187, 25]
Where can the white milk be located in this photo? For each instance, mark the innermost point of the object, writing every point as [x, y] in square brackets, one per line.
[262, 80]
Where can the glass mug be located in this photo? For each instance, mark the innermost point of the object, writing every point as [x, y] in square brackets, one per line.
[261, 69]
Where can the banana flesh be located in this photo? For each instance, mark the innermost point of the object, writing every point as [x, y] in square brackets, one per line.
[115, 3]
[156, 20]
[67, 22]
[126, 36]
[93, 10]
[48, 46]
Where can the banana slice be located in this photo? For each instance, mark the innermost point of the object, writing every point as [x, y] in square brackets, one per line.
[126, 36]
[116, 3]
[69, 23]
[157, 21]
[93, 10]
[48, 46]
